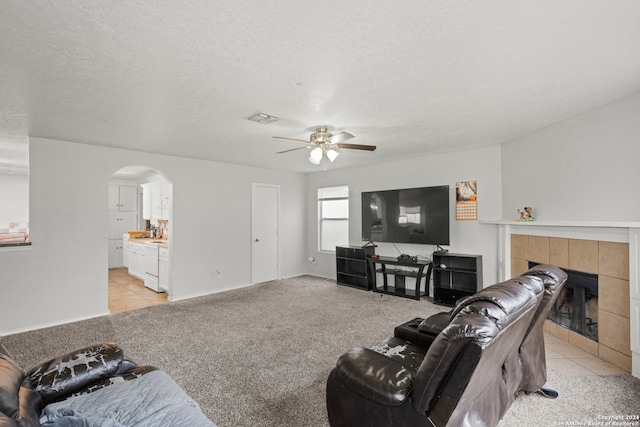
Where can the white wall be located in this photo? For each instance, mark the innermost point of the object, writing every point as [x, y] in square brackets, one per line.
[63, 277]
[468, 237]
[586, 168]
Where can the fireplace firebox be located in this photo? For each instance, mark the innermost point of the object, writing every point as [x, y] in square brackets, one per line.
[576, 307]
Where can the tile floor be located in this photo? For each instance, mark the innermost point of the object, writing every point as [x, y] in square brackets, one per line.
[128, 293]
[570, 360]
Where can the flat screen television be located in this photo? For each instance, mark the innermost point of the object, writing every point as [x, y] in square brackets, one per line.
[410, 215]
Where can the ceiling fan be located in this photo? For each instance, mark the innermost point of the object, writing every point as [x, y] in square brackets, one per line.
[325, 144]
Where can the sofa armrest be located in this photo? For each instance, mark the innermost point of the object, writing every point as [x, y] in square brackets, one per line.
[20, 405]
[57, 378]
[375, 376]
[433, 325]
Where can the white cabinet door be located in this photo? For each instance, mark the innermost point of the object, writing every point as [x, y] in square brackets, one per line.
[115, 253]
[121, 222]
[156, 201]
[136, 260]
[146, 202]
[151, 201]
[123, 198]
[128, 198]
[163, 275]
[115, 229]
[133, 258]
[114, 197]
[128, 222]
[163, 269]
[140, 269]
[166, 201]
[125, 253]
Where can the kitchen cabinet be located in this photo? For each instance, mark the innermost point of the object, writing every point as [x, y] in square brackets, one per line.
[165, 203]
[156, 201]
[146, 202]
[163, 269]
[136, 259]
[125, 252]
[123, 198]
[115, 253]
[123, 211]
[121, 222]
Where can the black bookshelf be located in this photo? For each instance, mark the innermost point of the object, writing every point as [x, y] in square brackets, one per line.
[455, 276]
[352, 268]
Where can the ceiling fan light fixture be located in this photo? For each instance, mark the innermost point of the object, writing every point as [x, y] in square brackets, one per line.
[315, 156]
[332, 155]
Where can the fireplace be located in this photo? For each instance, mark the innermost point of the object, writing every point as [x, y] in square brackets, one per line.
[576, 307]
[593, 311]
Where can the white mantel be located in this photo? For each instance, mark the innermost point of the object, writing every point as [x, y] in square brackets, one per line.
[622, 232]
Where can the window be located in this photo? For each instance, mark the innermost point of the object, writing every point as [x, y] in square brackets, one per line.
[14, 192]
[333, 215]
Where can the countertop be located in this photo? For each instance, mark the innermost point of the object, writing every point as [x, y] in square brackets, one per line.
[143, 240]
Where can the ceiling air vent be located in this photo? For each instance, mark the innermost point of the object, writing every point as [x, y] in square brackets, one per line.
[263, 118]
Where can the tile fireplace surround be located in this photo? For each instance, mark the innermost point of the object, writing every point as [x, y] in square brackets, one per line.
[610, 250]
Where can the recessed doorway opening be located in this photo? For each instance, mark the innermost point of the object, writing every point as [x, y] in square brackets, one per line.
[140, 231]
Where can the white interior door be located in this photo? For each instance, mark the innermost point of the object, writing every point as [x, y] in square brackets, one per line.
[264, 232]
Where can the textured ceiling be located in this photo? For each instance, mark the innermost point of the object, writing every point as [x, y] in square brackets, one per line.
[181, 78]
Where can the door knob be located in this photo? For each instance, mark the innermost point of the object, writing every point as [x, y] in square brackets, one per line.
[257, 240]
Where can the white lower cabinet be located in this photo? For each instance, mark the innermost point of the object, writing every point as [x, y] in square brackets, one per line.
[163, 269]
[125, 253]
[136, 260]
[115, 253]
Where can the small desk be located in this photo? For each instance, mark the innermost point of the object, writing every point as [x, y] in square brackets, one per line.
[416, 271]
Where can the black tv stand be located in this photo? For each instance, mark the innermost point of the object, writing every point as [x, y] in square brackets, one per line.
[401, 270]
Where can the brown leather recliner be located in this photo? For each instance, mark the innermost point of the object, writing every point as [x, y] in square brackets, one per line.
[532, 350]
[466, 375]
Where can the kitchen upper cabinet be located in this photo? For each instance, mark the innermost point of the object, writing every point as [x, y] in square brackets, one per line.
[146, 202]
[156, 201]
[165, 205]
[121, 222]
[123, 198]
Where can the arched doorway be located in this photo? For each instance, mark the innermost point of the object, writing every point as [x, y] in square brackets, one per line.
[140, 211]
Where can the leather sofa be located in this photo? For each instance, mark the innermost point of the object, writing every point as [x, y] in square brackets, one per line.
[458, 368]
[26, 398]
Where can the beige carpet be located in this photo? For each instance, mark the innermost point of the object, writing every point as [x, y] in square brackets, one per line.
[260, 356]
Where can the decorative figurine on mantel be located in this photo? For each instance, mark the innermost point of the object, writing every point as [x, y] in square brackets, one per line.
[526, 214]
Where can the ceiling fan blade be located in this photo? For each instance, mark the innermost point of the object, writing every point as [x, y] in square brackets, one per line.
[357, 147]
[291, 139]
[339, 137]
[291, 149]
